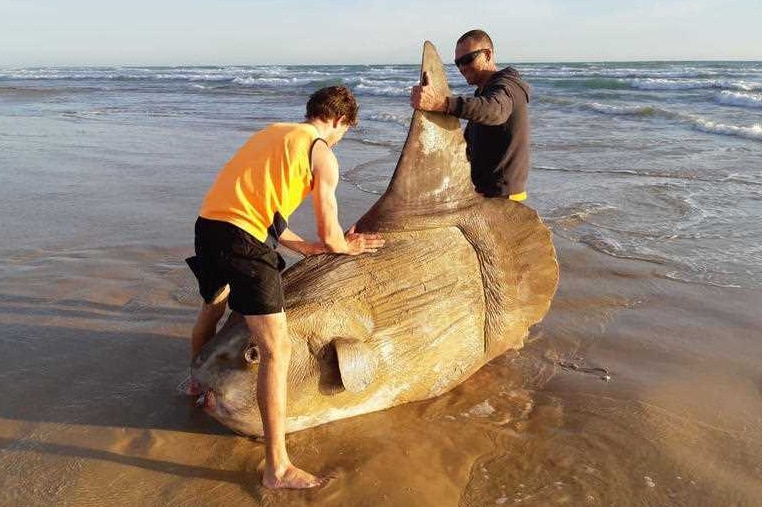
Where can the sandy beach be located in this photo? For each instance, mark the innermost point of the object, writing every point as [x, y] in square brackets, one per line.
[95, 342]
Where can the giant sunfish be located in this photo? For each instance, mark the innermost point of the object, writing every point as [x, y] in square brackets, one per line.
[460, 281]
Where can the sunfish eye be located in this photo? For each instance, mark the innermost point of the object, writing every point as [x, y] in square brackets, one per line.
[251, 354]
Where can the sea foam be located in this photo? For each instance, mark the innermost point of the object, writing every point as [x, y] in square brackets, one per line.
[741, 99]
[753, 132]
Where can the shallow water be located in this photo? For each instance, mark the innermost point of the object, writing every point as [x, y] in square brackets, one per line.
[647, 174]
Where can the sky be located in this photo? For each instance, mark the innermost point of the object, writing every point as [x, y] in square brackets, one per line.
[252, 32]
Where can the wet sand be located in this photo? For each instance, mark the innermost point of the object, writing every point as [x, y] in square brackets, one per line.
[94, 342]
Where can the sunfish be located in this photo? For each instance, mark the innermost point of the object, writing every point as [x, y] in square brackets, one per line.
[460, 281]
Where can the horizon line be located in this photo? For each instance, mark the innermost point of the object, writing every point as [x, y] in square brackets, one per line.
[515, 62]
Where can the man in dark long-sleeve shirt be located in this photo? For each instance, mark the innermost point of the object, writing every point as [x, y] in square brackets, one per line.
[497, 134]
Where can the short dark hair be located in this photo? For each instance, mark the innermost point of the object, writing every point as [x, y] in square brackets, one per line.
[477, 35]
[333, 102]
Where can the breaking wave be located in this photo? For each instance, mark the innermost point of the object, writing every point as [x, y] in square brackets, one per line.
[391, 118]
[625, 110]
[741, 99]
[753, 132]
[694, 84]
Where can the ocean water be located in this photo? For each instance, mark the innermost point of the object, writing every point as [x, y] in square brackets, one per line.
[657, 161]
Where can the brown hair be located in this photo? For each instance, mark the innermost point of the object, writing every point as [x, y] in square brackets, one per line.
[332, 102]
[477, 35]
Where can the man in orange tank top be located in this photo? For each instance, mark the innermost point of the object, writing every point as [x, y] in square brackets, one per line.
[243, 216]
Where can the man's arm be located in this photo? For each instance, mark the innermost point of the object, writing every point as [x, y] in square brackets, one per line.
[492, 108]
[293, 241]
[325, 171]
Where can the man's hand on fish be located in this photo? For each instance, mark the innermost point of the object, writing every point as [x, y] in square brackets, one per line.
[360, 242]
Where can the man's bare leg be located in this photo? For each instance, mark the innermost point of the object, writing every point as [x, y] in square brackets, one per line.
[271, 333]
[206, 321]
[203, 330]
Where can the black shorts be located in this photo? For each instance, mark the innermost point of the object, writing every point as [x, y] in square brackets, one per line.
[228, 255]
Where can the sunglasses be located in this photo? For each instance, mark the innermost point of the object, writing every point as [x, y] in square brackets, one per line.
[469, 57]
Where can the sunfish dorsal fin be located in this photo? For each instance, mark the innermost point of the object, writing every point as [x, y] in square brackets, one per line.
[433, 173]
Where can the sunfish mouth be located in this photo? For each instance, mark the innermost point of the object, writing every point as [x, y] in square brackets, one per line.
[210, 403]
[207, 401]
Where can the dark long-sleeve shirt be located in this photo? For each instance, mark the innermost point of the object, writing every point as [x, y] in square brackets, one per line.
[497, 134]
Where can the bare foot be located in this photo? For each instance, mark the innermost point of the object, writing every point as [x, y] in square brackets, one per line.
[293, 478]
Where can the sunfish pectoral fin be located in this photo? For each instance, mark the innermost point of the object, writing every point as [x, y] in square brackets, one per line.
[357, 363]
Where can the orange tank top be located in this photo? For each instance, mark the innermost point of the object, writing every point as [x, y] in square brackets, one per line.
[265, 181]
